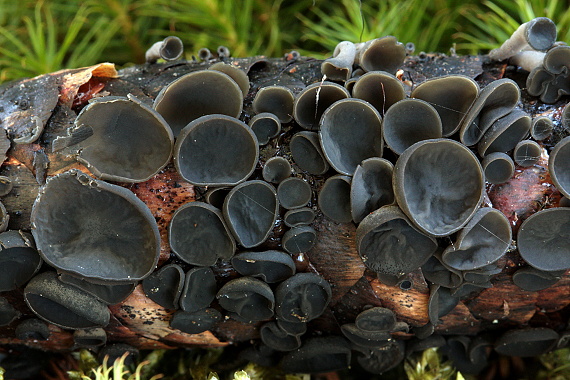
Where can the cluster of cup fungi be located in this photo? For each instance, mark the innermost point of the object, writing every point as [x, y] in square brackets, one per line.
[419, 208]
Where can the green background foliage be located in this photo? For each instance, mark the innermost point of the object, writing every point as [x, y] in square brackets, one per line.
[43, 36]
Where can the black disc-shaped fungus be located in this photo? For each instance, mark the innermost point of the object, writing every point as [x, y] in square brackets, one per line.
[271, 266]
[265, 126]
[311, 103]
[276, 169]
[526, 342]
[543, 239]
[275, 99]
[384, 53]
[498, 167]
[126, 139]
[436, 272]
[32, 328]
[302, 297]
[199, 289]
[292, 328]
[216, 150]
[111, 294]
[439, 185]
[237, 74]
[376, 319]
[371, 187]
[409, 121]
[294, 193]
[469, 356]
[199, 236]
[351, 131]
[90, 338]
[251, 299]
[527, 152]
[307, 153]
[505, 133]
[559, 166]
[195, 322]
[363, 338]
[533, 280]
[276, 338]
[64, 305]
[19, 260]
[389, 244]
[379, 88]
[7, 312]
[334, 199]
[299, 239]
[76, 234]
[541, 127]
[250, 210]
[481, 242]
[165, 285]
[299, 216]
[197, 94]
[320, 354]
[216, 196]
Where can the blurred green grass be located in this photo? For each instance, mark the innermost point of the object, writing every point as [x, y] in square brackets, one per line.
[43, 36]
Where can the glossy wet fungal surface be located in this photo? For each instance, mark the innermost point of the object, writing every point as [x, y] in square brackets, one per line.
[165, 285]
[199, 93]
[543, 239]
[382, 54]
[302, 297]
[276, 169]
[541, 128]
[249, 298]
[124, 139]
[250, 210]
[439, 185]
[265, 126]
[351, 131]
[234, 142]
[550, 80]
[299, 239]
[198, 234]
[118, 242]
[199, 289]
[270, 266]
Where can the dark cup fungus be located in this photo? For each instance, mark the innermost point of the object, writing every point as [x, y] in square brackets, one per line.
[7, 312]
[381, 54]
[294, 193]
[165, 285]
[526, 342]
[74, 233]
[481, 242]
[90, 338]
[543, 239]
[371, 187]
[440, 303]
[496, 100]
[505, 133]
[5, 186]
[32, 329]
[533, 280]
[277, 100]
[302, 297]
[299, 217]
[542, 126]
[251, 299]
[363, 338]
[271, 266]
[469, 356]
[307, 153]
[376, 319]
[216, 150]
[64, 305]
[123, 139]
[299, 239]
[223, 52]
[439, 185]
[498, 167]
[379, 88]
[312, 102]
[276, 169]
[205, 54]
[334, 199]
[559, 166]
[389, 244]
[198, 234]
[216, 196]
[339, 67]
[265, 126]
[195, 322]
[319, 354]
[351, 131]
[536, 34]
[276, 338]
[250, 210]
[402, 126]
[169, 49]
[199, 289]
[436, 272]
[451, 96]
[550, 81]
[110, 294]
[527, 152]
[19, 260]
[382, 359]
[292, 328]
[237, 74]
[197, 94]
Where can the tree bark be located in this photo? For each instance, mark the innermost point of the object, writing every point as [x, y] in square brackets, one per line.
[54, 99]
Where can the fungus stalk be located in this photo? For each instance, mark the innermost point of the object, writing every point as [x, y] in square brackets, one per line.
[538, 34]
[169, 49]
[339, 67]
[528, 60]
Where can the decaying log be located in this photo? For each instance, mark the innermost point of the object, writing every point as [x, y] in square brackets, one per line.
[53, 100]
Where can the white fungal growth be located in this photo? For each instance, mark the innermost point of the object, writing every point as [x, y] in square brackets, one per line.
[538, 34]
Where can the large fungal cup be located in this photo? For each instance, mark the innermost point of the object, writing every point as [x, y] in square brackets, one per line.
[371, 187]
[439, 185]
[314, 100]
[381, 54]
[277, 100]
[216, 150]
[505, 133]
[559, 166]
[379, 88]
[75, 233]
[307, 153]
[351, 131]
